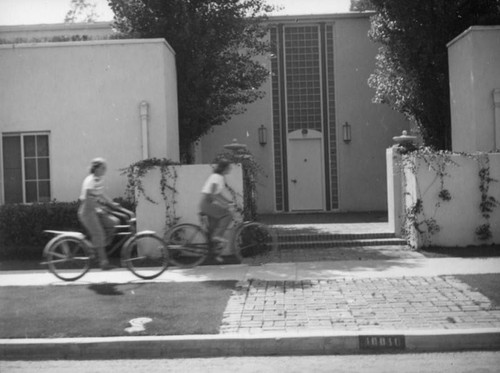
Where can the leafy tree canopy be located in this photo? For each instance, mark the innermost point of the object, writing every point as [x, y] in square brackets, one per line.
[411, 71]
[360, 5]
[216, 42]
[81, 11]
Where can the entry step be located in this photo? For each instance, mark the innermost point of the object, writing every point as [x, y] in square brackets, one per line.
[340, 243]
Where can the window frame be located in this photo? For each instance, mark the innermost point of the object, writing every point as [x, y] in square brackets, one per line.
[21, 135]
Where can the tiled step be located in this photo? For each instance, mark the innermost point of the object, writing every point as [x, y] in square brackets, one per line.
[288, 240]
[291, 236]
[341, 243]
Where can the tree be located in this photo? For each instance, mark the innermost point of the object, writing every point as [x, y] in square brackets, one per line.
[81, 11]
[360, 5]
[216, 42]
[411, 71]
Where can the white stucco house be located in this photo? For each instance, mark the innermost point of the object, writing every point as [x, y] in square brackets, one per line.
[322, 140]
[64, 103]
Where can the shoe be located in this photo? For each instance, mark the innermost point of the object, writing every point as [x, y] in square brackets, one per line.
[220, 240]
[219, 259]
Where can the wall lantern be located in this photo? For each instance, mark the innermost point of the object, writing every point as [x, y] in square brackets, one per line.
[346, 131]
[262, 135]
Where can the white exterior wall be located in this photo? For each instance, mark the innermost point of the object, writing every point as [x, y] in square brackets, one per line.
[188, 183]
[244, 128]
[361, 163]
[474, 70]
[459, 217]
[87, 96]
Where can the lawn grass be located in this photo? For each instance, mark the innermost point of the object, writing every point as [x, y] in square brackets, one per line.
[100, 310]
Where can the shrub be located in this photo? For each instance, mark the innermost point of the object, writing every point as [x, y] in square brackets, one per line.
[23, 225]
[126, 203]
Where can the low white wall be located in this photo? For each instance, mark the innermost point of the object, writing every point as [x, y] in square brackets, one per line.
[459, 217]
[188, 183]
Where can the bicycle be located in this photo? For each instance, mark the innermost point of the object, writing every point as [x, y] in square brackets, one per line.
[69, 254]
[189, 245]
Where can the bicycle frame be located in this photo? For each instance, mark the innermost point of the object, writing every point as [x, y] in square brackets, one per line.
[69, 254]
[122, 231]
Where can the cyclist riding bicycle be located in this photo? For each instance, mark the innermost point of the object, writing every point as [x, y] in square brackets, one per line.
[215, 205]
[98, 213]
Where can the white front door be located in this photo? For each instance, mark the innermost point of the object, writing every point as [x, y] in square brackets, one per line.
[305, 171]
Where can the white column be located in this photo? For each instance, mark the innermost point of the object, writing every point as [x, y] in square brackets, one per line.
[394, 190]
[496, 101]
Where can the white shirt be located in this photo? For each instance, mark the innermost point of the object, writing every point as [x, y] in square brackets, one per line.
[95, 184]
[214, 179]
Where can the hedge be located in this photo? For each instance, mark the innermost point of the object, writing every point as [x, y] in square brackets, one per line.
[24, 224]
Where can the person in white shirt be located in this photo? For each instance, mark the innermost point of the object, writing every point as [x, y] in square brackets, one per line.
[215, 204]
[99, 224]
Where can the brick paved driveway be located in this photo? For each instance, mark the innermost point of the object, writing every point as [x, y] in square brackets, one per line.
[347, 304]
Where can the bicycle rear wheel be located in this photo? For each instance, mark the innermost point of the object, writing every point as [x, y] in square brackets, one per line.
[145, 255]
[187, 245]
[67, 258]
[254, 243]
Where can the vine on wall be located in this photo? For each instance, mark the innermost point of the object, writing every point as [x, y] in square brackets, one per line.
[136, 172]
[168, 180]
[415, 218]
[488, 203]
[439, 162]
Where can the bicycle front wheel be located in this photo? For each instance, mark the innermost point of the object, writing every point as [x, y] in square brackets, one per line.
[145, 255]
[187, 245]
[254, 243]
[67, 258]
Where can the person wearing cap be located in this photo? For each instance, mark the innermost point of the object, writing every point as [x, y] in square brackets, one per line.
[215, 204]
[99, 224]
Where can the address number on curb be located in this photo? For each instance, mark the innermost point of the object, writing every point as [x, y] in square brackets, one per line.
[382, 342]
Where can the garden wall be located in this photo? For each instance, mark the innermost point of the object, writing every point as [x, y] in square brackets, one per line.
[450, 199]
[179, 202]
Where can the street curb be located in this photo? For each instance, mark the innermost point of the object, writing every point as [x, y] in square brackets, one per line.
[264, 344]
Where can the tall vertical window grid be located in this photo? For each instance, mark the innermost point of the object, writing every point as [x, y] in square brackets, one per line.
[298, 100]
[277, 123]
[331, 117]
[303, 78]
[26, 167]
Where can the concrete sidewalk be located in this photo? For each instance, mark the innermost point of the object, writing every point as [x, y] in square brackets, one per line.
[396, 267]
[409, 303]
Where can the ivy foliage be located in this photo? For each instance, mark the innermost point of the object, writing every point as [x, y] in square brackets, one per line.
[135, 173]
[81, 11]
[411, 73]
[440, 162]
[168, 178]
[215, 44]
[360, 5]
[488, 203]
